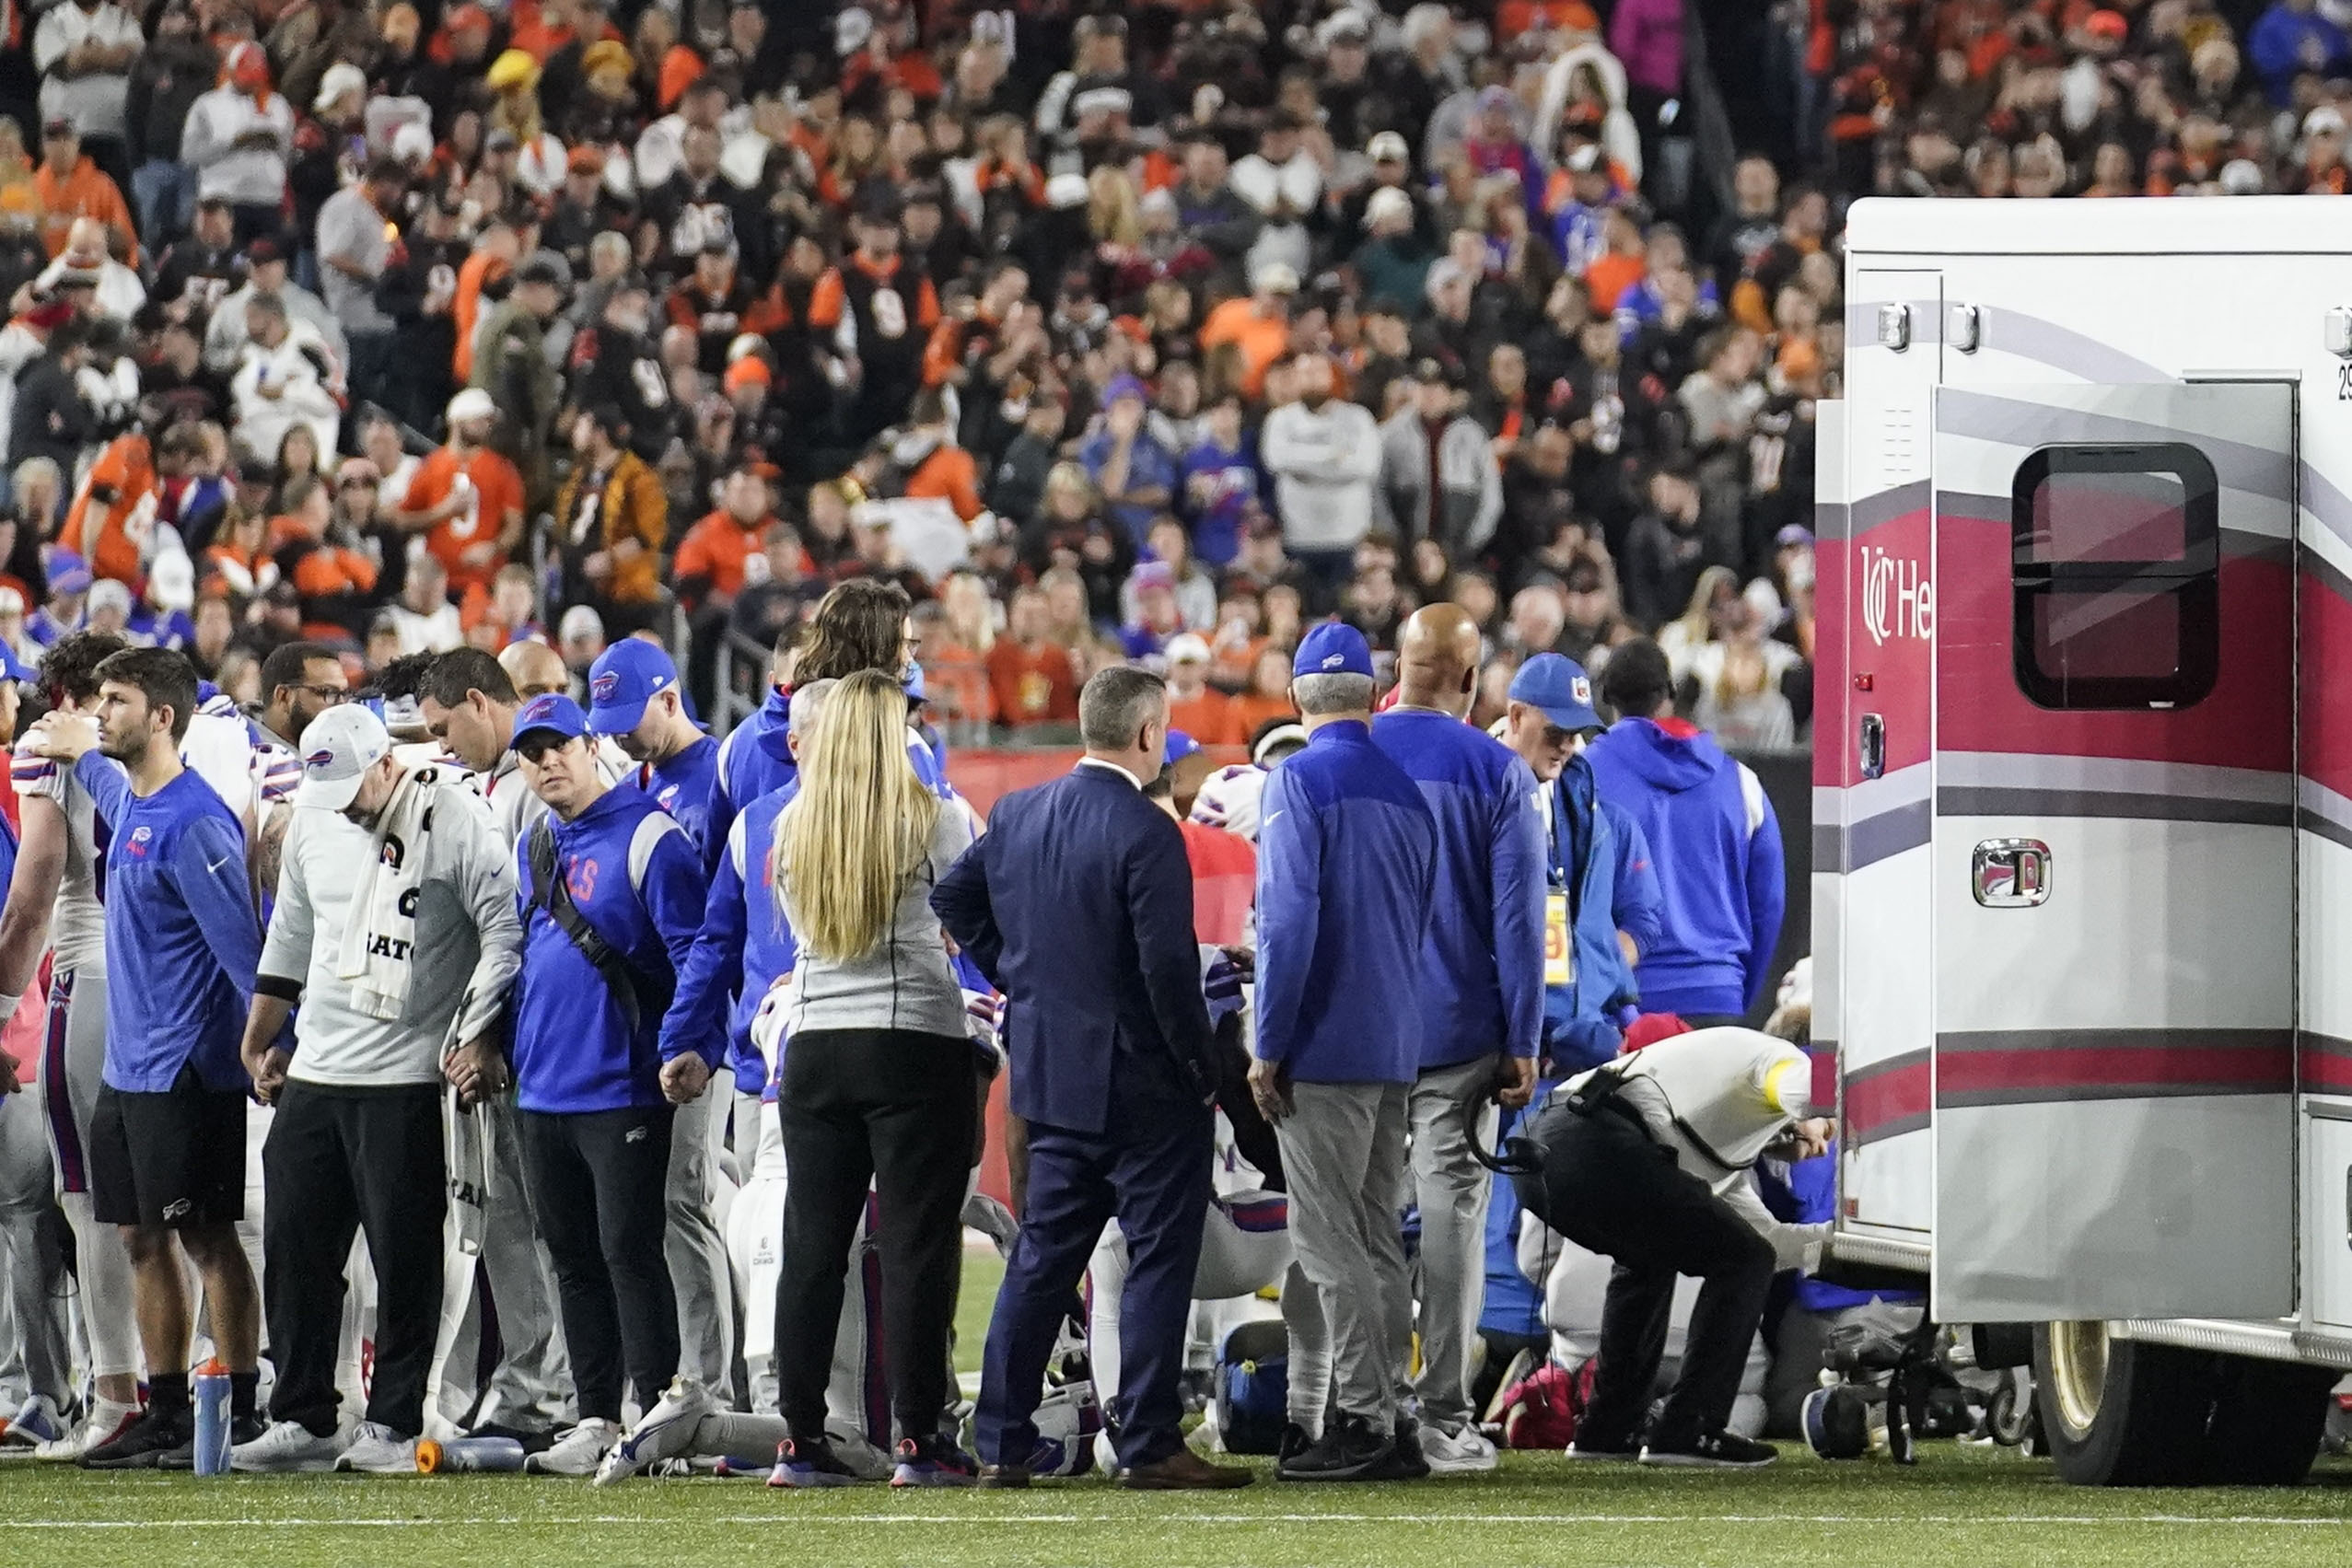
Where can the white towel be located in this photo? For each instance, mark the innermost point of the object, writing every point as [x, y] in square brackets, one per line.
[379, 931]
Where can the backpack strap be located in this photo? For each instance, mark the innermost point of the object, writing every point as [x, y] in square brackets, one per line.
[550, 892]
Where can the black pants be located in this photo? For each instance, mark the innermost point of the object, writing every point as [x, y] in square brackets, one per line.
[599, 1181]
[340, 1162]
[897, 1109]
[1605, 1184]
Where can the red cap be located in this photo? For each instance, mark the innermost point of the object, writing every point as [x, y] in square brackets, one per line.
[247, 66]
[49, 315]
[2107, 24]
[1649, 1028]
[750, 371]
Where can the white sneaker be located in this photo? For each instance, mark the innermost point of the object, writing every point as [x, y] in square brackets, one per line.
[35, 1422]
[1464, 1451]
[107, 1421]
[376, 1449]
[578, 1451]
[287, 1447]
[662, 1433]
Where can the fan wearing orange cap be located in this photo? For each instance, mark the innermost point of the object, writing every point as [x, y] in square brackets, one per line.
[238, 138]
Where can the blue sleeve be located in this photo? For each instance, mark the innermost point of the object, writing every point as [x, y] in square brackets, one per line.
[1290, 855]
[110, 787]
[723, 808]
[674, 892]
[713, 972]
[208, 870]
[967, 914]
[1639, 907]
[1520, 882]
[2272, 45]
[1767, 899]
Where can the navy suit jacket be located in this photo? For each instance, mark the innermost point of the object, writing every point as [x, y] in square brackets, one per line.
[1077, 904]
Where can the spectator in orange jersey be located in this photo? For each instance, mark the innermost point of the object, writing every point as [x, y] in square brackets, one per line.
[114, 511]
[1030, 679]
[465, 498]
[71, 185]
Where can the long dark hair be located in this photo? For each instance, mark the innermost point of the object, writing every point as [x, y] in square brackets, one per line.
[861, 624]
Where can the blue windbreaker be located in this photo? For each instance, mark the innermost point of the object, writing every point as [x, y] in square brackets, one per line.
[687, 787]
[1601, 856]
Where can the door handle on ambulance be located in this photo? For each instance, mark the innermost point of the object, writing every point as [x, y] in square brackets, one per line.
[1870, 744]
[2011, 874]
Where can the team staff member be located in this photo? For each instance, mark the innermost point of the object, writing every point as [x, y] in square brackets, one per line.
[1649, 1162]
[611, 893]
[1346, 876]
[167, 1139]
[1482, 1001]
[394, 924]
[1079, 906]
[635, 700]
[1717, 842]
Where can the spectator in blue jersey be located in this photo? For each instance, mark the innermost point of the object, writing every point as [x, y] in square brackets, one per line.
[1136, 474]
[1217, 481]
[1603, 905]
[1346, 878]
[395, 872]
[1713, 838]
[183, 942]
[611, 892]
[879, 1085]
[1482, 1001]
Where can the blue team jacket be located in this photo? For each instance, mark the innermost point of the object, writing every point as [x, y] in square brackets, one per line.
[1348, 857]
[754, 760]
[687, 787]
[1601, 856]
[1716, 844]
[183, 942]
[639, 882]
[745, 946]
[1482, 974]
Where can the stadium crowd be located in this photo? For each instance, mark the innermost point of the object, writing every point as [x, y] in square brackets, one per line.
[537, 372]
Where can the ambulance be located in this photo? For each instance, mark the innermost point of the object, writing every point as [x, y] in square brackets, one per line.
[2082, 853]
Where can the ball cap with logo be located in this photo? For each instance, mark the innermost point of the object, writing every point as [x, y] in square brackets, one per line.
[338, 748]
[625, 678]
[1333, 648]
[554, 713]
[1558, 688]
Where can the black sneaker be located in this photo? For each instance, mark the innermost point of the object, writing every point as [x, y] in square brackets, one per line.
[1348, 1450]
[244, 1429]
[808, 1462]
[1404, 1461]
[535, 1440]
[1711, 1451]
[144, 1443]
[1293, 1442]
[1601, 1446]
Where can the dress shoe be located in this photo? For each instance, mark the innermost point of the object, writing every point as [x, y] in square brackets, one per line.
[1185, 1470]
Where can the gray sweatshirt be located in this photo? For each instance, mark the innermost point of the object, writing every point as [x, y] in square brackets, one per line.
[1326, 465]
[906, 982]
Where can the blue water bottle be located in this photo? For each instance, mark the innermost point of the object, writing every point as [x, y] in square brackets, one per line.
[208, 1388]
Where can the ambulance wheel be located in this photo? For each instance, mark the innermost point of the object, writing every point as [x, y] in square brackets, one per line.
[2268, 1420]
[2118, 1412]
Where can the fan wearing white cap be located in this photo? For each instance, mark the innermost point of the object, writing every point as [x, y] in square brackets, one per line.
[396, 930]
[466, 499]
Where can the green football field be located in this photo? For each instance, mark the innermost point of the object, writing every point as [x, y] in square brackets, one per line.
[1968, 1508]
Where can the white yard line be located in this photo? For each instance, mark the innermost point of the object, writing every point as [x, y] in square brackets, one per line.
[961, 1521]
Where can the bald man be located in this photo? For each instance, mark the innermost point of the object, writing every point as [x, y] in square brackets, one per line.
[535, 669]
[1482, 999]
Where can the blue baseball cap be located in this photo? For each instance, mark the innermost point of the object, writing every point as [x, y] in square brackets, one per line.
[68, 573]
[554, 713]
[1333, 648]
[14, 668]
[1180, 746]
[1556, 686]
[622, 680]
[912, 683]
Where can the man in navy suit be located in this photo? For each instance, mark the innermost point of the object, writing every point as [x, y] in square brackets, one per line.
[1077, 903]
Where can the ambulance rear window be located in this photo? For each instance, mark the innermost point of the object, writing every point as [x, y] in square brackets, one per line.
[2115, 570]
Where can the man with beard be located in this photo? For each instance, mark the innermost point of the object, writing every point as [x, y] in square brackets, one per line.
[697, 207]
[890, 310]
[615, 364]
[199, 269]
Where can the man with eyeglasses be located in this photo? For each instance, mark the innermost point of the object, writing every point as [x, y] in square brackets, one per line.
[299, 682]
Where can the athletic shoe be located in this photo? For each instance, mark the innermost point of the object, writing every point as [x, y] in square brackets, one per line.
[143, 1443]
[243, 1429]
[1603, 1448]
[1712, 1451]
[284, 1447]
[1464, 1451]
[809, 1463]
[1348, 1450]
[662, 1433]
[933, 1461]
[376, 1449]
[578, 1451]
[1293, 1442]
[106, 1422]
[35, 1422]
[534, 1439]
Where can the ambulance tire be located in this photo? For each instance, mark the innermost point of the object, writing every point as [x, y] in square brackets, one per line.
[2268, 1417]
[2118, 1412]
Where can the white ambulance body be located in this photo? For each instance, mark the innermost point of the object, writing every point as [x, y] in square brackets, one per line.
[2083, 808]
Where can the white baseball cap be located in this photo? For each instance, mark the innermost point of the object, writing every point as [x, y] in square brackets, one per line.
[472, 403]
[1187, 647]
[171, 580]
[338, 749]
[1388, 147]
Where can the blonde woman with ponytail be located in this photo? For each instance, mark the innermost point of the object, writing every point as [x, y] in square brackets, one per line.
[877, 1079]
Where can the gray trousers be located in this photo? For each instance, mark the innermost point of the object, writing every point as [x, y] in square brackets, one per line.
[1452, 1188]
[35, 1357]
[531, 1388]
[695, 1250]
[1344, 1157]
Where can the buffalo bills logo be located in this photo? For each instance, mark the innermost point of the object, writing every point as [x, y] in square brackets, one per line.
[1334, 661]
[321, 758]
[136, 845]
[605, 687]
[1581, 690]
